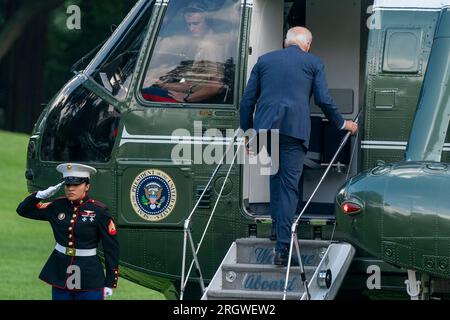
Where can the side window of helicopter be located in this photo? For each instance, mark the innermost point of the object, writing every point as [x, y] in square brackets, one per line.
[403, 49]
[194, 58]
[116, 72]
[80, 127]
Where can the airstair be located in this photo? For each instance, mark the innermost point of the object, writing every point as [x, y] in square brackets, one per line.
[247, 271]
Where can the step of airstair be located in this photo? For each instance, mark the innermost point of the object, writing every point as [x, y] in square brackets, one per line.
[254, 277]
[261, 251]
[248, 272]
[251, 295]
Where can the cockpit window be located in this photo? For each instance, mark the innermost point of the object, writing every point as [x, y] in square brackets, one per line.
[80, 127]
[116, 72]
[194, 59]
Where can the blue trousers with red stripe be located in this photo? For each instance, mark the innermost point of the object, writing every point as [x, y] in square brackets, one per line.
[62, 294]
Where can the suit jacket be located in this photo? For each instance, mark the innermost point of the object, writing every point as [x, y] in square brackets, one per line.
[79, 225]
[280, 87]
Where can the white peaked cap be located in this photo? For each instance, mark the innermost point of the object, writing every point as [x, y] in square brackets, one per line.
[76, 170]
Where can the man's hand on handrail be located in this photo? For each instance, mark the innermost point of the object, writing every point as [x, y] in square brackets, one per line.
[351, 126]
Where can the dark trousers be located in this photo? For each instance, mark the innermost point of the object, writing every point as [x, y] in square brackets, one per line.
[61, 294]
[284, 185]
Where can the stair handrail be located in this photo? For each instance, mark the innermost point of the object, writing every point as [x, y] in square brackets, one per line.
[187, 222]
[294, 238]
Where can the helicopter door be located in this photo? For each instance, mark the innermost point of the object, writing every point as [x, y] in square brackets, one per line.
[342, 62]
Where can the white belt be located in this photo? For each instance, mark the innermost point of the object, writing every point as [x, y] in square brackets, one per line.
[76, 252]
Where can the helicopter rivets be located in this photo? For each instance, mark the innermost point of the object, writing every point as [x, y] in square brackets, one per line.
[230, 276]
[442, 265]
[429, 264]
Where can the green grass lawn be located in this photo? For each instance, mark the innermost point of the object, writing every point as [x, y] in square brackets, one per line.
[26, 244]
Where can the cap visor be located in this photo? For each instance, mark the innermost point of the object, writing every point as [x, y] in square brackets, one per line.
[74, 180]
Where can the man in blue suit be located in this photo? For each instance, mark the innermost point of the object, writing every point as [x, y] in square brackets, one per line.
[280, 87]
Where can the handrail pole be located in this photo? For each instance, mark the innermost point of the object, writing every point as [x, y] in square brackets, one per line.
[302, 269]
[197, 264]
[212, 176]
[214, 209]
[294, 240]
[295, 224]
[288, 268]
[323, 178]
[183, 265]
[187, 221]
[343, 142]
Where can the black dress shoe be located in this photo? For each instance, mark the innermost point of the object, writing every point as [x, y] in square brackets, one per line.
[281, 259]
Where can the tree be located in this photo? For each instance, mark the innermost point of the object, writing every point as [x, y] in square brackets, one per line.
[23, 12]
[37, 51]
[22, 59]
[65, 47]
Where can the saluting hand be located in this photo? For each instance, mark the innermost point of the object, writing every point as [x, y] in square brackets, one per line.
[47, 193]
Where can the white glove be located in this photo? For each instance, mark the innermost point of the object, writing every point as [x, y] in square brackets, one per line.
[107, 292]
[47, 193]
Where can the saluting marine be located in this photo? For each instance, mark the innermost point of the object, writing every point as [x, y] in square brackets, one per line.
[74, 269]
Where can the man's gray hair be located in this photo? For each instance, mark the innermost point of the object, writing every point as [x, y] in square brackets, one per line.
[293, 36]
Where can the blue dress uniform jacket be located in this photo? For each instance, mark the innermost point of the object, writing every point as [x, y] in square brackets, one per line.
[280, 86]
[79, 225]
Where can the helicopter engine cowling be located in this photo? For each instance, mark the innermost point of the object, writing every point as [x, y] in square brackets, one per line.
[403, 216]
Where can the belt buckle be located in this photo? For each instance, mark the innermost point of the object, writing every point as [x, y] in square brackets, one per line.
[70, 252]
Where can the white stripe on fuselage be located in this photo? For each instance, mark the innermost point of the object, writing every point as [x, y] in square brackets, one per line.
[372, 142]
[411, 5]
[390, 145]
[163, 139]
[175, 142]
[126, 135]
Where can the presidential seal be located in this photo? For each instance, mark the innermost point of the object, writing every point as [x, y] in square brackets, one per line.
[153, 195]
